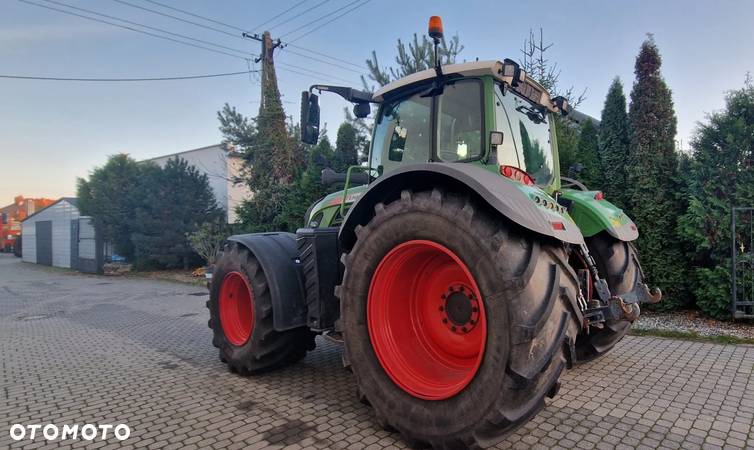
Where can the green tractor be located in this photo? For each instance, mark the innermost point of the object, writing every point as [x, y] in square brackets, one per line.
[462, 273]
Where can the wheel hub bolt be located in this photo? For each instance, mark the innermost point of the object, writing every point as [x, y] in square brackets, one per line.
[461, 309]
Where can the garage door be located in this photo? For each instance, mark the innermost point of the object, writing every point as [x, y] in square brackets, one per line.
[44, 242]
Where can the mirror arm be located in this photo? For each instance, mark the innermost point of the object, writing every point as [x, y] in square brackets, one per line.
[349, 94]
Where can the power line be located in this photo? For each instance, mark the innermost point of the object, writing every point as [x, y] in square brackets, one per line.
[319, 18]
[199, 16]
[131, 29]
[310, 71]
[323, 54]
[299, 14]
[183, 11]
[235, 35]
[279, 15]
[314, 58]
[238, 28]
[331, 20]
[187, 77]
[160, 30]
[71, 13]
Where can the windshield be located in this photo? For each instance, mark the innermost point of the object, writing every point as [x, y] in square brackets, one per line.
[401, 134]
[459, 121]
[530, 130]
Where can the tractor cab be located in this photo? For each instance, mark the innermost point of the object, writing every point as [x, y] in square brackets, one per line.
[486, 113]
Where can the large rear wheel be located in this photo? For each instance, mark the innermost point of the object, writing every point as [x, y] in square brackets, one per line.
[618, 262]
[456, 323]
[240, 310]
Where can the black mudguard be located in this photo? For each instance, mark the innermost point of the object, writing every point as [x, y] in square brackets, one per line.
[498, 192]
[278, 255]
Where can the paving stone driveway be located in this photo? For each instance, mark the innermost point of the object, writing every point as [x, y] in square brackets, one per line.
[84, 349]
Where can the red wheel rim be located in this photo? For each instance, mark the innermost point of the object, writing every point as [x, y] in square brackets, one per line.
[426, 320]
[236, 308]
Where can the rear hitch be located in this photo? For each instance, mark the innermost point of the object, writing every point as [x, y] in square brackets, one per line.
[642, 294]
[615, 310]
[609, 307]
[621, 310]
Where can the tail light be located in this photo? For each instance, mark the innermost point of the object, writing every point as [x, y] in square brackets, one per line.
[514, 173]
[599, 196]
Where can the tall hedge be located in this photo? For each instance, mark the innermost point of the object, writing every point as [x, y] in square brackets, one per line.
[587, 154]
[613, 144]
[653, 178]
[720, 176]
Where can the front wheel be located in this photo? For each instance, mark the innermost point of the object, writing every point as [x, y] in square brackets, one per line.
[456, 323]
[240, 309]
[618, 263]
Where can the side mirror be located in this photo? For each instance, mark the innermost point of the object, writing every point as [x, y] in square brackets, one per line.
[561, 103]
[309, 118]
[361, 110]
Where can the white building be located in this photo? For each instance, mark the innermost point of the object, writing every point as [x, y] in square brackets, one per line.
[223, 168]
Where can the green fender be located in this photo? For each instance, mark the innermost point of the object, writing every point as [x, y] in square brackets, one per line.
[594, 216]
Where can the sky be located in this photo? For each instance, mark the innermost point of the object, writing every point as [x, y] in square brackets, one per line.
[53, 132]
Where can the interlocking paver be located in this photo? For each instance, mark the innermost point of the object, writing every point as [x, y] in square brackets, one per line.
[85, 349]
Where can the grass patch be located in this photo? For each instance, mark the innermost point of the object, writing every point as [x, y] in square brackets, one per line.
[691, 336]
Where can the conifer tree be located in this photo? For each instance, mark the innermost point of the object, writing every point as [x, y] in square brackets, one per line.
[586, 155]
[567, 132]
[653, 179]
[720, 176]
[418, 55]
[346, 153]
[173, 201]
[613, 144]
[308, 187]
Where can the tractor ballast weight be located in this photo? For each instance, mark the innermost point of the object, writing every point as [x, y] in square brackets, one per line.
[504, 197]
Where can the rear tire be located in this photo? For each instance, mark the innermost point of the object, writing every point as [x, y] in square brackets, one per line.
[617, 261]
[244, 333]
[526, 291]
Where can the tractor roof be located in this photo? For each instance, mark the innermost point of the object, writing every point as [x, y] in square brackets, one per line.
[526, 86]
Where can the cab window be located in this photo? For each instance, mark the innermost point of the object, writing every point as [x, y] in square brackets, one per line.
[402, 133]
[506, 153]
[459, 121]
[530, 130]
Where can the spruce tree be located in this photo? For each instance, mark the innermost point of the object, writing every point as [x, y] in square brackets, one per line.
[613, 144]
[109, 196]
[653, 179]
[346, 152]
[567, 132]
[418, 55]
[587, 155]
[308, 187]
[173, 202]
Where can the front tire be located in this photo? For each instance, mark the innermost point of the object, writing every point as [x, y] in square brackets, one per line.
[617, 261]
[439, 386]
[240, 309]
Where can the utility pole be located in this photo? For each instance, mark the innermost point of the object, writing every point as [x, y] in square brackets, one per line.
[274, 142]
[269, 80]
